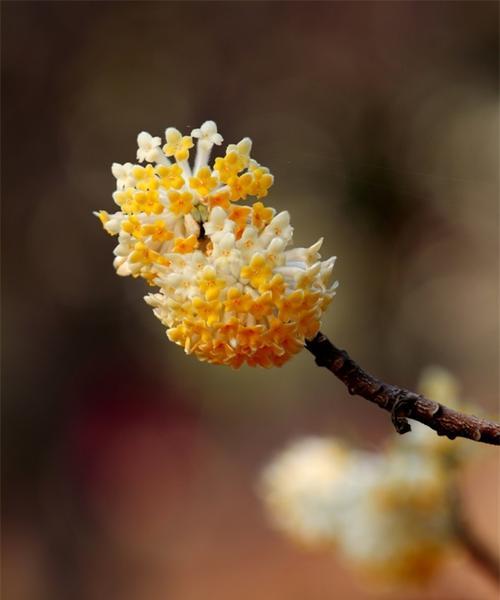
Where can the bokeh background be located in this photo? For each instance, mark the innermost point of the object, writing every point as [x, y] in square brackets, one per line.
[129, 469]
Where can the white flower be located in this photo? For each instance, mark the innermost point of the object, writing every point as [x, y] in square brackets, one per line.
[207, 137]
[123, 175]
[148, 147]
[301, 487]
[278, 227]
[250, 241]
[217, 221]
[207, 134]
[226, 257]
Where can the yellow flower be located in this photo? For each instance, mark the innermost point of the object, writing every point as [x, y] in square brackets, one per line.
[258, 272]
[248, 337]
[219, 199]
[239, 214]
[240, 186]
[133, 226]
[261, 182]
[210, 285]
[208, 311]
[157, 231]
[262, 306]
[181, 203]
[203, 183]
[237, 301]
[229, 166]
[170, 176]
[177, 145]
[261, 215]
[185, 245]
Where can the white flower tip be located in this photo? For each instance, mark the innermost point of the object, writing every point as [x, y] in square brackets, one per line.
[276, 245]
[245, 145]
[172, 133]
[282, 218]
[192, 227]
[143, 138]
[209, 127]
[207, 134]
[217, 213]
[227, 241]
[315, 248]
[315, 269]
[330, 261]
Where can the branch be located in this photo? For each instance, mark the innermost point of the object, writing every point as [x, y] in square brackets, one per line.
[401, 403]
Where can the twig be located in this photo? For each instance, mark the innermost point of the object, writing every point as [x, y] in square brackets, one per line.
[401, 403]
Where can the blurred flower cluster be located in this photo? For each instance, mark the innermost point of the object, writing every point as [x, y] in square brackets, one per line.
[392, 514]
[229, 289]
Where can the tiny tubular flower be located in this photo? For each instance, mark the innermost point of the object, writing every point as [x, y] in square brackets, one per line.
[203, 182]
[257, 273]
[240, 215]
[177, 145]
[170, 176]
[237, 301]
[157, 231]
[181, 203]
[261, 215]
[185, 245]
[149, 149]
[123, 175]
[261, 182]
[220, 198]
[207, 134]
[209, 284]
[230, 289]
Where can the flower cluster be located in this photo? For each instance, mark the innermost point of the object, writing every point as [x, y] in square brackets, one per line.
[391, 514]
[230, 289]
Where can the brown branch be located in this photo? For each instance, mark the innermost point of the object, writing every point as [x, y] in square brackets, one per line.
[401, 403]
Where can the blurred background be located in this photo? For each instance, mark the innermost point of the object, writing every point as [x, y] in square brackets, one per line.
[129, 469]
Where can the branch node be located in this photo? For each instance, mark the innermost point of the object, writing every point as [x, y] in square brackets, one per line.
[436, 409]
[402, 409]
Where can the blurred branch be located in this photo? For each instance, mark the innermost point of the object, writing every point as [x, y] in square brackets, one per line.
[480, 554]
[483, 556]
[401, 403]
